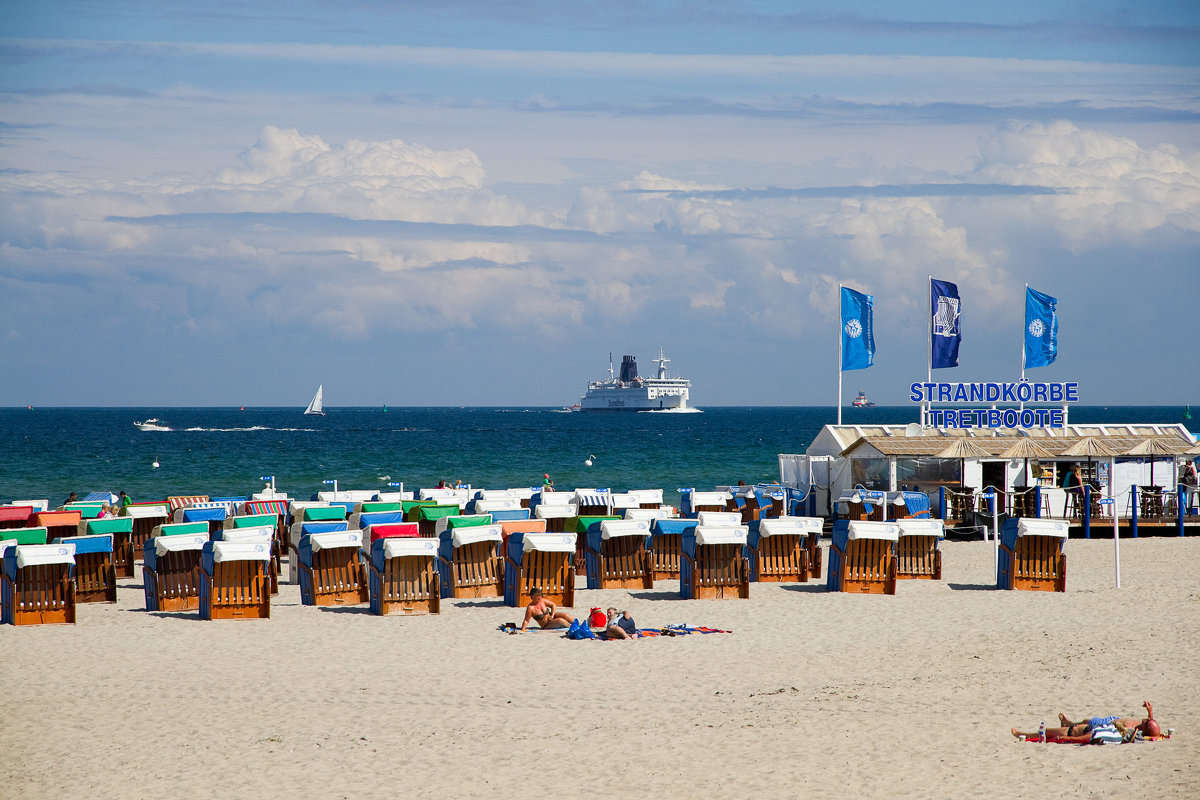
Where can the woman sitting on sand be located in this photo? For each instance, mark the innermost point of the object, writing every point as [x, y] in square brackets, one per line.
[543, 612]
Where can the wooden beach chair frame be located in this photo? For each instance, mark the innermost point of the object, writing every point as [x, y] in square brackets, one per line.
[1032, 562]
[619, 561]
[864, 565]
[37, 594]
[552, 571]
[336, 577]
[95, 574]
[405, 584]
[786, 557]
[126, 554]
[918, 555]
[718, 571]
[174, 583]
[234, 589]
[666, 548]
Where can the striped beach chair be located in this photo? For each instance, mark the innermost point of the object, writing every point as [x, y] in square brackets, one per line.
[469, 561]
[404, 577]
[918, 555]
[95, 575]
[171, 566]
[781, 549]
[539, 560]
[36, 587]
[862, 557]
[713, 563]
[618, 556]
[178, 501]
[235, 574]
[1031, 555]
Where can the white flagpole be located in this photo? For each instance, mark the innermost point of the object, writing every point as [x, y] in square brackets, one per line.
[928, 406]
[839, 397]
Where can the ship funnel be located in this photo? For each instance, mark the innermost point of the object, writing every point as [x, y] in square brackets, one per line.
[628, 369]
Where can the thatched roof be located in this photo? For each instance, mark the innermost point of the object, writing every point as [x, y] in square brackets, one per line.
[1118, 439]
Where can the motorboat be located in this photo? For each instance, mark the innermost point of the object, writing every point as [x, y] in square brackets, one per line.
[152, 424]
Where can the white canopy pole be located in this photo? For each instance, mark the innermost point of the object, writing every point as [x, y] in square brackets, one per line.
[1112, 482]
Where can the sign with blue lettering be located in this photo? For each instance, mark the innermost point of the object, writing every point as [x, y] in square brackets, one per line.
[993, 392]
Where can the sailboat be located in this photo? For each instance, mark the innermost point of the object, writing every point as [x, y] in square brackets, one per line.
[317, 404]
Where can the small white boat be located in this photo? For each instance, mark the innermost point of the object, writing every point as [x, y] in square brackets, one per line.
[152, 424]
[317, 404]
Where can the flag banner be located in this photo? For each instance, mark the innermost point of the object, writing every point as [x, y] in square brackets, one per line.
[1041, 329]
[858, 330]
[944, 311]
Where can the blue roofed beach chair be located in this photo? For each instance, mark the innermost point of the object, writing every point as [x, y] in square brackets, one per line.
[36, 587]
[121, 531]
[918, 554]
[213, 513]
[404, 577]
[666, 546]
[331, 568]
[235, 574]
[713, 563]
[618, 556]
[862, 557]
[361, 520]
[95, 576]
[1031, 555]
[539, 560]
[171, 566]
[469, 561]
[781, 549]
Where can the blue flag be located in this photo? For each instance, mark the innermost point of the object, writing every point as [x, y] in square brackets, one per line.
[1041, 329]
[858, 330]
[944, 312]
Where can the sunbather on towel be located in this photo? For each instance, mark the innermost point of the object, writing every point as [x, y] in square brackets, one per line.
[1081, 731]
[543, 612]
[620, 625]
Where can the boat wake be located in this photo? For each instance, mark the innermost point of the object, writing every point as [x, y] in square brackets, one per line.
[672, 411]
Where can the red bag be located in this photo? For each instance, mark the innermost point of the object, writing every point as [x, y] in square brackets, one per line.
[598, 619]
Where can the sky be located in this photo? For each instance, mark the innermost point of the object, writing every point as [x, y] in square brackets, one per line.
[474, 203]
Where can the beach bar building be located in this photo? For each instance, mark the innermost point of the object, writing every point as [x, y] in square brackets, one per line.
[1137, 465]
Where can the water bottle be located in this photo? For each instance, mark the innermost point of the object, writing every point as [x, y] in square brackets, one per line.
[1042, 732]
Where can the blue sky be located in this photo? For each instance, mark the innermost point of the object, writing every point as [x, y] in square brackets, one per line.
[474, 203]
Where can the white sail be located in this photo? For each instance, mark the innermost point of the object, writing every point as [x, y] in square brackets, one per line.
[317, 404]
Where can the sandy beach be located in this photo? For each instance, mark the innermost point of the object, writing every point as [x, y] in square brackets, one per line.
[832, 694]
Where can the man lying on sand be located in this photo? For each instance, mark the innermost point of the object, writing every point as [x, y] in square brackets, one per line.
[1081, 732]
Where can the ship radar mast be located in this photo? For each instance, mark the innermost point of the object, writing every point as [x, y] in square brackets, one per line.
[662, 361]
[610, 368]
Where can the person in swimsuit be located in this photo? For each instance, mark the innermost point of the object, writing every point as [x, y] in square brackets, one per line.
[1081, 731]
[543, 612]
[620, 625]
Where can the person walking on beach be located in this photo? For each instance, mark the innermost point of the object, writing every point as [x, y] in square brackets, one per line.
[543, 612]
[1081, 731]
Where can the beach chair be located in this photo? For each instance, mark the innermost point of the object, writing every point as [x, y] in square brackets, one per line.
[331, 570]
[146, 517]
[917, 550]
[592, 502]
[361, 520]
[713, 563]
[666, 545]
[36, 587]
[95, 576]
[277, 508]
[648, 498]
[693, 502]
[87, 510]
[647, 514]
[911, 505]
[213, 514]
[469, 561]
[1031, 555]
[176, 502]
[121, 531]
[58, 523]
[404, 577]
[171, 566]
[17, 517]
[258, 521]
[37, 535]
[489, 505]
[503, 515]
[581, 528]
[234, 575]
[373, 533]
[539, 560]
[427, 517]
[620, 502]
[557, 516]
[510, 526]
[618, 556]
[862, 557]
[782, 549]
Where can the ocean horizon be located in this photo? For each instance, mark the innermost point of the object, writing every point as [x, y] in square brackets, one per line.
[221, 450]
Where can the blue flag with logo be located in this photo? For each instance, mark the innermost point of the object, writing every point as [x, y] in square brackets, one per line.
[858, 330]
[944, 317]
[1041, 329]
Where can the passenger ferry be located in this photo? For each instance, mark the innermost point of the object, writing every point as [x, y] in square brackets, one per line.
[631, 392]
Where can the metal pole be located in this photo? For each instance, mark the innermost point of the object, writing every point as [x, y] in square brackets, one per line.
[1112, 482]
[840, 334]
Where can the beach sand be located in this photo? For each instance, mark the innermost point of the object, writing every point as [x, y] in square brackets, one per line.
[832, 694]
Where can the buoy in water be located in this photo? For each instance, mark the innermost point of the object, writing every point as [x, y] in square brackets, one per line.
[587, 462]
[155, 464]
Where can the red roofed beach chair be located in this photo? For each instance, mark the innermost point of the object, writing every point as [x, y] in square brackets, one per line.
[36, 586]
[862, 557]
[17, 516]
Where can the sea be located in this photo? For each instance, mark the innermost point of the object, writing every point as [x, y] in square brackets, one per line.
[46, 453]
